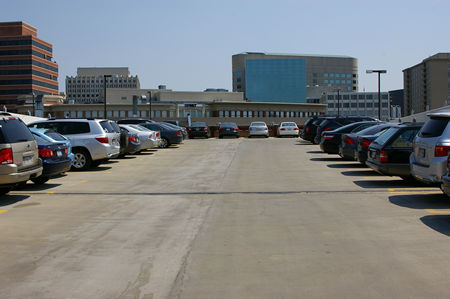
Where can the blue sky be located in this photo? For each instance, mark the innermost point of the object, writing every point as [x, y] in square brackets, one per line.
[187, 45]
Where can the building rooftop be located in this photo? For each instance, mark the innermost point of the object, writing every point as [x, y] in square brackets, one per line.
[299, 55]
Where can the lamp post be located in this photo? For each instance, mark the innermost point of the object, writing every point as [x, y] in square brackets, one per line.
[104, 94]
[379, 90]
[33, 94]
[150, 104]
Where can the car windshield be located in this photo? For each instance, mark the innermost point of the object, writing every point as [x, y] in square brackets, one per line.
[258, 124]
[371, 130]
[14, 130]
[198, 125]
[434, 127]
[55, 136]
[106, 127]
[385, 136]
[288, 124]
[228, 125]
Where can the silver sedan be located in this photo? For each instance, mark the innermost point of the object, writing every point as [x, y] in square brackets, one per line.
[258, 128]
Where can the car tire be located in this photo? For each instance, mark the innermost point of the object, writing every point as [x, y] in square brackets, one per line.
[82, 160]
[40, 180]
[164, 143]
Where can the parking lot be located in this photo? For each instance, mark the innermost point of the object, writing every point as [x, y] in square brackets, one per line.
[226, 218]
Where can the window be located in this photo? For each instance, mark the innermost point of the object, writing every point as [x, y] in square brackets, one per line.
[405, 139]
[122, 113]
[332, 81]
[369, 97]
[164, 114]
[109, 114]
[337, 75]
[331, 75]
[361, 105]
[325, 75]
[338, 81]
[325, 81]
[330, 105]
[116, 113]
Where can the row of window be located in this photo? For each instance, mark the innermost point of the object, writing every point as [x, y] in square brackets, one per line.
[24, 52]
[75, 86]
[326, 75]
[118, 114]
[27, 62]
[28, 81]
[232, 113]
[356, 105]
[108, 80]
[357, 97]
[25, 42]
[339, 81]
[27, 72]
[82, 95]
[23, 91]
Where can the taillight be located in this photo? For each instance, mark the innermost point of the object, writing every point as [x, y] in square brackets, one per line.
[132, 138]
[282, 129]
[66, 150]
[328, 137]
[45, 152]
[326, 129]
[220, 129]
[365, 143]
[189, 129]
[441, 150]
[235, 128]
[384, 156]
[295, 129]
[102, 139]
[178, 133]
[157, 134]
[151, 136]
[307, 129]
[206, 129]
[6, 156]
[349, 140]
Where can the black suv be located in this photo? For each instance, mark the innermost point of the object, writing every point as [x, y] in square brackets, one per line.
[330, 124]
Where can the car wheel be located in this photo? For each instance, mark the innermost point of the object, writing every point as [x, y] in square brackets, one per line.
[164, 143]
[40, 180]
[82, 159]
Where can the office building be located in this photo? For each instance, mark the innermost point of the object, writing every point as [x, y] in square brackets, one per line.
[292, 78]
[358, 103]
[87, 86]
[26, 64]
[427, 84]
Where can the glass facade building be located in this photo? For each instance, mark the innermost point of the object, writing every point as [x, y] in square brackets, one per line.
[276, 80]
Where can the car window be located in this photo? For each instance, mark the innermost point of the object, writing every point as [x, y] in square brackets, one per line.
[55, 136]
[385, 136]
[114, 126]
[362, 127]
[106, 126]
[434, 127]
[40, 140]
[65, 127]
[405, 139]
[258, 124]
[372, 130]
[14, 130]
[288, 125]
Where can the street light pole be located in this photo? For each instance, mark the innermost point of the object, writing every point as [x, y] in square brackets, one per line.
[150, 104]
[104, 94]
[379, 88]
[34, 103]
[338, 102]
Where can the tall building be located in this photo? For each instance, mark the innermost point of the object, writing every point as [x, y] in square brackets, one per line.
[265, 77]
[427, 84]
[357, 103]
[87, 86]
[26, 65]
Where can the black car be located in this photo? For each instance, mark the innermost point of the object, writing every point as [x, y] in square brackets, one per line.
[364, 141]
[198, 129]
[55, 159]
[183, 129]
[169, 135]
[330, 140]
[330, 124]
[348, 146]
[389, 153]
[228, 129]
[310, 127]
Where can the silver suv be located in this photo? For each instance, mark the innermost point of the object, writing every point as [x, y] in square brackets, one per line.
[93, 140]
[428, 161]
[19, 157]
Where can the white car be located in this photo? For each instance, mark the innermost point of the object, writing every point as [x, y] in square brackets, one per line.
[258, 128]
[288, 129]
[148, 138]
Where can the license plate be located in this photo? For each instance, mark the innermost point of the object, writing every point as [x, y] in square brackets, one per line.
[27, 160]
[373, 154]
[421, 153]
[58, 153]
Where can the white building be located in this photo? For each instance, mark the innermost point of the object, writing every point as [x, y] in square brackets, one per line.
[87, 86]
[358, 103]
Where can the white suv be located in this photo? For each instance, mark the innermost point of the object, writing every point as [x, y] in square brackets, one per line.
[93, 140]
[428, 161]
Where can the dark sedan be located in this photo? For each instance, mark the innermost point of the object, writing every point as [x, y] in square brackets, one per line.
[228, 129]
[198, 129]
[330, 140]
[55, 159]
[169, 135]
[389, 153]
[331, 124]
[348, 146]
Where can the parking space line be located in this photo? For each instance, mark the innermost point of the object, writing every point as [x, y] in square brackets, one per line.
[50, 192]
[3, 211]
[433, 211]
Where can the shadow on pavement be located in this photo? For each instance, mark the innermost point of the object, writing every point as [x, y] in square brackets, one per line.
[360, 173]
[110, 162]
[34, 187]
[326, 159]
[315, 152]
[128, 157]
[9, 199]
[388, 184]
[144, 154]
[421, 201]
[440, 223]
[349, 165]
[95, 169]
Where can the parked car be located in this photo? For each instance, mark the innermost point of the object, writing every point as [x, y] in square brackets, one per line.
[182, 129]
[258, 128]
[154, 137]
[53, 136]
[135, 121]
[331, 140]
[198, 129]
[169, 135]
[228, 129]
[288, 128]
[428, 160]
[348, 147]
[93, 140]
[19, 157]
[146, 136]
[173, 122]
[363, 142]
[310, 127]
[123, 137]
[55, 159]
[332, 123]
[445, 186]
[389, 153]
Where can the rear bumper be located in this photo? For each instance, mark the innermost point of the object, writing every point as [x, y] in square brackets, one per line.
[446, 184]
[10, 176]
[288, 133]
[329, 147]
[391, 169]
[347, 153]
[430, 174]
[55, 168]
